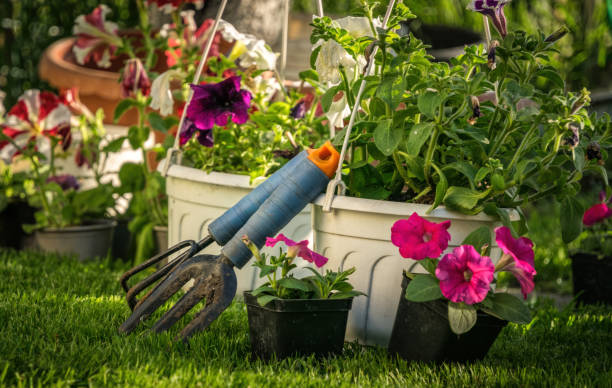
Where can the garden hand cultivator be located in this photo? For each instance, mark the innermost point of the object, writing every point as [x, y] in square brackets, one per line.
[260, 214]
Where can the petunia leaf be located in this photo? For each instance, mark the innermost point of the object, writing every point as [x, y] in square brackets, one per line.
[462, 317]
[428, 103]
[418, 135]
[261, 290]
[122, 107]
[423, 288]
[478, 238]
[386, 137]
[508, 307]
[294, 284]
[571, 218]
[265, 299]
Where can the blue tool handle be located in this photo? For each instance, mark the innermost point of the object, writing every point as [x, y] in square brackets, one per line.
[290, 197]
[225, 227]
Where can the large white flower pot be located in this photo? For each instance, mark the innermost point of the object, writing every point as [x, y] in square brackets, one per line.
[196, 198]
[357, 233]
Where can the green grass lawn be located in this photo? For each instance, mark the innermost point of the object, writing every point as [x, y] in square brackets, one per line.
[59, 319]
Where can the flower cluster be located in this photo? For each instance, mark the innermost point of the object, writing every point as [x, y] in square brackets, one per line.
[464, 274]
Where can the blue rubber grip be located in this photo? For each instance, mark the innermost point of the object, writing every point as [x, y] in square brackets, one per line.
[290, 197]
[225, 227]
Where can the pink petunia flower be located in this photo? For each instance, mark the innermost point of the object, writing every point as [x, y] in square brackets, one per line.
[597, 213]
[97, 38]
[37, 117]
[418, 238]
[298, 249]
[464, 275]
[517, 258]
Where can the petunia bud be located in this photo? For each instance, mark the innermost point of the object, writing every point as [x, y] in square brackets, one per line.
[555, 36]
[593, 152]
[585, 98]
[135, 78]
[476, 113]
[491, 55]
[299, 110]
[574, 139]
[253, 248]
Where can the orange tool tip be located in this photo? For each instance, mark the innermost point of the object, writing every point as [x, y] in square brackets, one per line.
[326, 158]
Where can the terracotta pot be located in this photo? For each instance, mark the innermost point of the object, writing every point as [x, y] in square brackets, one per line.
[97, 88]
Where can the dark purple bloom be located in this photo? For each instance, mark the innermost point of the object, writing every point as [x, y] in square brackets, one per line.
[65, 181]
[299, 110]
[494, 9]
[135, 78]
[205, 137]
[593, 152]
[216, 103]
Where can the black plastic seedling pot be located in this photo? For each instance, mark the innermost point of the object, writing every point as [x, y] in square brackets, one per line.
[592, 278]
[421, 332]
[288, 327]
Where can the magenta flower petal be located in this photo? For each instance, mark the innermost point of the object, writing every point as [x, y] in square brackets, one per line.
[298, 249]
[596, 213]
[494, 10]
[418, 238]
[65, 181]
[521, 251]
[465, 276]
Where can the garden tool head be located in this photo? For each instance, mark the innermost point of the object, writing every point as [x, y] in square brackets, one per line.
[262, 213]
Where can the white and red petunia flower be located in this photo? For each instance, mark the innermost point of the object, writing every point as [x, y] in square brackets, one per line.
[169, 6]
[37, 117]
[97, 38]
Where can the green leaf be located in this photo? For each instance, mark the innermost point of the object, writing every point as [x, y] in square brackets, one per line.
[478, 238]
[428, 103]
[345, 295]
[386, 137]
[462, 317]
[313, 56]
[391, 90]
[553, 76]
[497, 181]
[418, 135]
[429, 265]
[492, 210]
[509, 307]
[262, 289]
[462, 199]
[265, 299]
[132, 178]
[122, 107]
[423, 288]
[309, 74]
[157, 122]
[571, 218]
[481, 174]
[441, 189]
[293, 283]
[328, 97]
[114, 145]
[265, 270]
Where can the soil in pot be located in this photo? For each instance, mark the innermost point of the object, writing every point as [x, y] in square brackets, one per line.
[422, 333]
[288, 327]
[12, 219]
[88, 241]
[592, 278]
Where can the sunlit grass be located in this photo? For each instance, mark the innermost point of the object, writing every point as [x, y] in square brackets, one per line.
[59, 319]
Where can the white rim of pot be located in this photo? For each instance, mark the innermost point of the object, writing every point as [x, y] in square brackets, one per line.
[393, 208]
[213, 177]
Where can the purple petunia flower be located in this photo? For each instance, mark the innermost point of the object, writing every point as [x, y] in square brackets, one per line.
[299, 110]
[215, 104]
[205, 137]
[65, 181]
[494, 9]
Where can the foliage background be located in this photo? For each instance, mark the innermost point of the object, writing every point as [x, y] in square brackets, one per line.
[27, 27]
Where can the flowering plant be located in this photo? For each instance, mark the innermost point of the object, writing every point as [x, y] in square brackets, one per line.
[596, 236]
[480, 134]
[39, 129]
[281, 282]
[466, 275]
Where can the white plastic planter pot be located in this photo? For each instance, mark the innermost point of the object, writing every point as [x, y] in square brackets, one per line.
[357, 233]
[197, 198]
